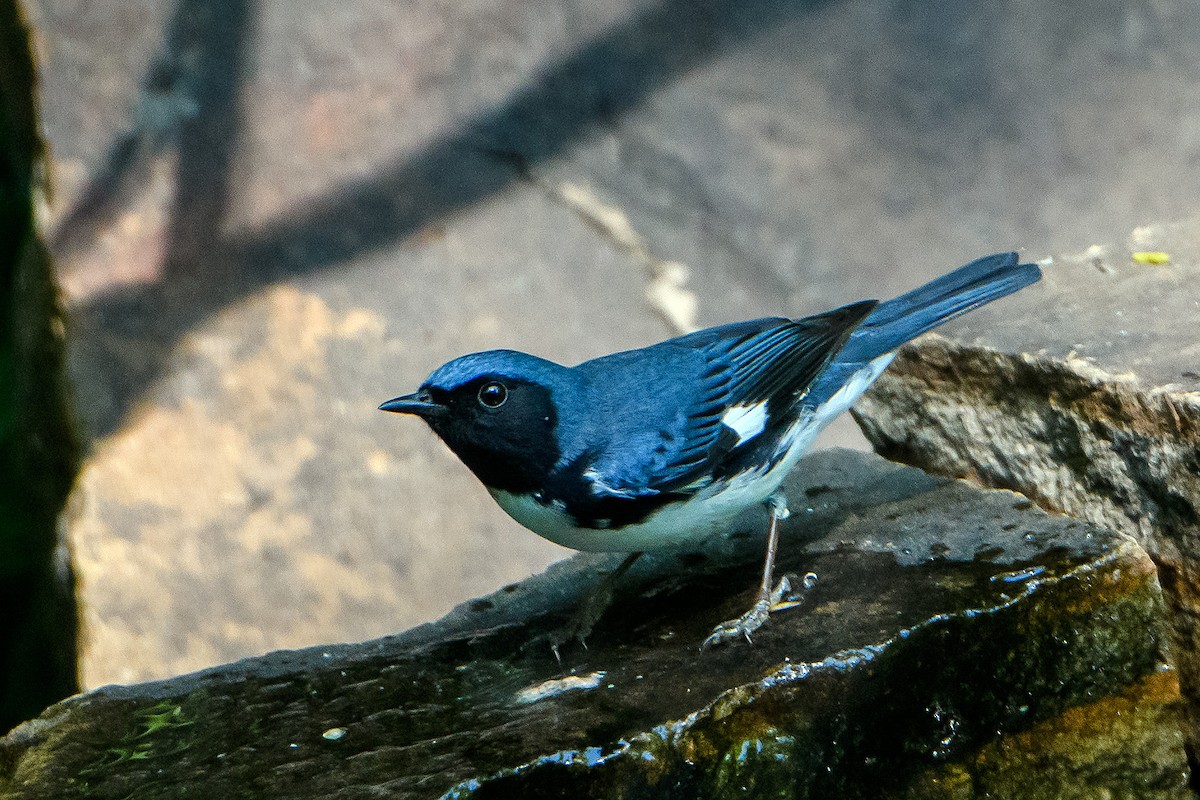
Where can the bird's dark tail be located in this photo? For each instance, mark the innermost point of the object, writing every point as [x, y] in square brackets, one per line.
[897, 321]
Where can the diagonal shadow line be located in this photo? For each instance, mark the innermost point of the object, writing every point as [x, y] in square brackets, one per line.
[174, 100]
[598, 83]
[188, 103]
[106, 192]
[218, 39]
[202, 63]
[602, 80]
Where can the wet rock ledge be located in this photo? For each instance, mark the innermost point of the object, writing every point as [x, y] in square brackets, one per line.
[959, 643]
[1083, 394]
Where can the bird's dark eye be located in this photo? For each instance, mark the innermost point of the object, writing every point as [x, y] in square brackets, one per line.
[493, 394]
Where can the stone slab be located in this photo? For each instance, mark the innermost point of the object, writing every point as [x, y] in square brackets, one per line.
[323, 179]
[834, 151]
[1081, 392]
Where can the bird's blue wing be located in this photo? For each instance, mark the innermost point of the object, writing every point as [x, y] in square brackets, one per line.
[668, 437]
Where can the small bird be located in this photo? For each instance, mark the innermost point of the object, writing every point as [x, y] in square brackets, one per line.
[664, 446]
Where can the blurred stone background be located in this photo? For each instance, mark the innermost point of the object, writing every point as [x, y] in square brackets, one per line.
[270, 216]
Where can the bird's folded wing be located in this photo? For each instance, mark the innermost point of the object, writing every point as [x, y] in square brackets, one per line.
[747, 382]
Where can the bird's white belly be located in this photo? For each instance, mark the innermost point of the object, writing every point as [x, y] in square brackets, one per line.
[675, 526]
[710, 512]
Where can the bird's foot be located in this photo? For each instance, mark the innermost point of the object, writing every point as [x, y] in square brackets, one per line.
[584, 618]
[781, 598]
[589, 611]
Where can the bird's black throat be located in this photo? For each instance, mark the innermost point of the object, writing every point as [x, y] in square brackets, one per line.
[511, 448]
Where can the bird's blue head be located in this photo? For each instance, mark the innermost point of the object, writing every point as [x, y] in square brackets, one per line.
[497, 411]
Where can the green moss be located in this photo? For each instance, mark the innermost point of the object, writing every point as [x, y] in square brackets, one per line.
[146, 739]
[1081, 753]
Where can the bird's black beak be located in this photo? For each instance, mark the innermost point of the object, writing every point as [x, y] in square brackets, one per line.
[418, 403]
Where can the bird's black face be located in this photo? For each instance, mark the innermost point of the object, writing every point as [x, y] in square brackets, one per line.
[501, 427]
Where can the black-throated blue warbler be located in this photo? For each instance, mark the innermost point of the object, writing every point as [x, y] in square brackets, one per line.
[664, 446]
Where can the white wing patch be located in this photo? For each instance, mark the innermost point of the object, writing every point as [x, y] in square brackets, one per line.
[746, 421]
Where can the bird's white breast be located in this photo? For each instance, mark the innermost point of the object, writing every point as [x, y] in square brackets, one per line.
[675, 526]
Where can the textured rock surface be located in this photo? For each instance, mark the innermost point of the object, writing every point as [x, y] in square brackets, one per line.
[272, 215]
[1087, 400]
[37, 449]
[959, 644]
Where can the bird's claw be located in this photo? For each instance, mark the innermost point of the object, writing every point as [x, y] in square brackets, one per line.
[578, 628]
[780, 599]
[743, 626]
[589, 611]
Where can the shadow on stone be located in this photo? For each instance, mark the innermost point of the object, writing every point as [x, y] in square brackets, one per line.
[203, 65]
